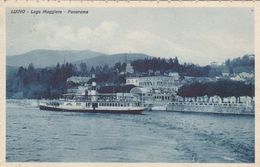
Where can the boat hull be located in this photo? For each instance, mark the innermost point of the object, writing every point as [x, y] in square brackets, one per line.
[91, 110]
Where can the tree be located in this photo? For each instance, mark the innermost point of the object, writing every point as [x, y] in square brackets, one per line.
[224, 88]
[83, 69]
[92, 70]
[31, 67]
[176, 61]
[118, 66]
[227, 63]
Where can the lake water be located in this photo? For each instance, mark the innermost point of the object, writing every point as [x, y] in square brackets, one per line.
[45, 136]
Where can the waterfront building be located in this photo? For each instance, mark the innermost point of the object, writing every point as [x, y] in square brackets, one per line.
[243, 76]
[225, 74]
[159, 99]
[232, 99]
[78, 85]
[245, 100]
[142, 95]
[152, 97]
[175, 75]
[168, 84]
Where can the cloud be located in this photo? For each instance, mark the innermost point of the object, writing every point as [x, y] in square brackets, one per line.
[109, 37]
[64, 36]
[106, 37]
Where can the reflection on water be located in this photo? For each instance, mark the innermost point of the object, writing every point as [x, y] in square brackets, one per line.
[45, 136]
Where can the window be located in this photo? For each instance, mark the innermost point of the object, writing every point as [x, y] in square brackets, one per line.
[95, 105]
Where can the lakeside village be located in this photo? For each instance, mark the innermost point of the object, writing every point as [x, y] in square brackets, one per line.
[147, 83]
[157, 92]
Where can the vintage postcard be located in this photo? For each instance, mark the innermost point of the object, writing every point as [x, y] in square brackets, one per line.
[129, 83]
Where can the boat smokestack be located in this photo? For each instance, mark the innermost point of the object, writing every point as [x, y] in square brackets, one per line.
[93, 76]
[93, 88]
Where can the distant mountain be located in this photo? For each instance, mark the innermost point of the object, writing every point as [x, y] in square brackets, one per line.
[43, 58]
[110, 60]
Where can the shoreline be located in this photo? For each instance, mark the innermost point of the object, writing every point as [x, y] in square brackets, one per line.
[22, 103]
[234, 109]
[214, 113]
[34, 104]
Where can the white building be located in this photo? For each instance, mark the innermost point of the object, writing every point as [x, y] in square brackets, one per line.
[82, 86]
[175, 75]
[163, 83]
[129, 68]
[243, 76]
[133, 81]
[79, 80]
[246, 100]
[225, 74]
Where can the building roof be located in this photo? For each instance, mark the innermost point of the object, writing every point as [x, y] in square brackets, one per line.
[139, 90]
[77, 79]
[115, 89]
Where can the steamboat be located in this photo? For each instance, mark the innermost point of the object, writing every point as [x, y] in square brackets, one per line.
[103, 103]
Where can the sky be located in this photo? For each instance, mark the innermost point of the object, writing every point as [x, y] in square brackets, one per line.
[194, 35]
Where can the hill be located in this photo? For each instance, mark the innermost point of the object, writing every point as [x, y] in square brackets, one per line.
[110, 60]
[43, 58]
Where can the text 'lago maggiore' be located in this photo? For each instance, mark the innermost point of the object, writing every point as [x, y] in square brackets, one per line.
[36, 12]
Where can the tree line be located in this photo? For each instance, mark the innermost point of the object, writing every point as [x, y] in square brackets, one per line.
[222, 88]
[50, 82]
[172, 65]
[247, 61]
[31, 82]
